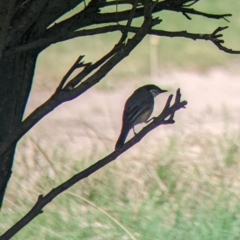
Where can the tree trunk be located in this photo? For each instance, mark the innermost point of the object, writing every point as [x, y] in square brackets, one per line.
[16, 74]
[20, 23]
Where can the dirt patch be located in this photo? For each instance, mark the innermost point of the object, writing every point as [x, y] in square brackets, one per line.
[95, 117]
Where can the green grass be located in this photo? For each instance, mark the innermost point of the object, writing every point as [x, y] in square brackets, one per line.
[176, 192]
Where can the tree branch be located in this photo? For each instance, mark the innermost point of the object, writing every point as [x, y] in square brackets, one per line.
[213, 37]
[91, 67]
[55, 9]
[166, 117]
[66, 94]
[130, 18]
[192, 11]
[171, 5]
[76, 65]
[89, 17]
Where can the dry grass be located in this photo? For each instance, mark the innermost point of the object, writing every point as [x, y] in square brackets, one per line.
[180, 176]
[181, 182]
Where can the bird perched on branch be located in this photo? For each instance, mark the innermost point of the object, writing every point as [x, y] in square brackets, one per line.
[138, 108]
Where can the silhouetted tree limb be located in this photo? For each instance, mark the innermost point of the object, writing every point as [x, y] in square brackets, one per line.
[74, 89]
[214, 37]
[67, 29]
[166, 117]
[55, 9]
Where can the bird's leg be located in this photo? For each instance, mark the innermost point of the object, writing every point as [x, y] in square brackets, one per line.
[134, 131]
[151, 119]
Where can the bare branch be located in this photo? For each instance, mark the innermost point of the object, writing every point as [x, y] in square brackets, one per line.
[75, 66]
[61, 96]
[198, 13]
[213, 37]
[185, 15]
[131, 16]
[80, 20]
[101, 72]
[55, 9]
[84, 18]
[166, 117]
[91, 67]
[66, 29]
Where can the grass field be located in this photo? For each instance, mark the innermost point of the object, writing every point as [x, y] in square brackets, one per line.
[188, 189]
[181, 182]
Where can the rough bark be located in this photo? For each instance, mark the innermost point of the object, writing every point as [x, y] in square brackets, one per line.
[16, 73]
[21, 22]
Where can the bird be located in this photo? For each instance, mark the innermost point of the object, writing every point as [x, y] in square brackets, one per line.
[138, 108]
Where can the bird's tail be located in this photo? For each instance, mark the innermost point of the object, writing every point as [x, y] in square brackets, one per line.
[123, 135]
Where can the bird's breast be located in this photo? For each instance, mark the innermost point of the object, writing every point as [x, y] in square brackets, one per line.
[144, 117]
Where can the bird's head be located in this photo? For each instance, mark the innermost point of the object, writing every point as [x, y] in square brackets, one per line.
[154, 90]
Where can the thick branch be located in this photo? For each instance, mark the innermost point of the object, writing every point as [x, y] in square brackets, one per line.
[30, 15]
[83, 19]
[89, 16]
[166, 117]
[6, 13]
[65, 95]
[55, 9]
[213, 37]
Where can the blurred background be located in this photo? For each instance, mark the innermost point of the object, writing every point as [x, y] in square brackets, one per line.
[180, 182]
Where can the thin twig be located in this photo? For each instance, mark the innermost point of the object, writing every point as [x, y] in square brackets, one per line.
[131, 16]
[91, 67]
[76, 65]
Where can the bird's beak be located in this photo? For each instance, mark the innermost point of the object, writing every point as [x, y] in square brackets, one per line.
[164, 91]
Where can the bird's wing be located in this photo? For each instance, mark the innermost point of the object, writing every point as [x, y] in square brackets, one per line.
[136, 106]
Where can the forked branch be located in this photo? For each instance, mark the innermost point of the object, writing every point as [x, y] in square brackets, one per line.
[69, 89]
[74, 26]
[166, 117]
[215, 37]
